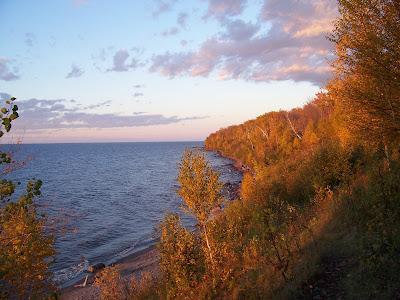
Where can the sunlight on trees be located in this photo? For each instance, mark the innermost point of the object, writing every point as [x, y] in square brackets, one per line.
[201, 191]
[181, 257]
[367, 81]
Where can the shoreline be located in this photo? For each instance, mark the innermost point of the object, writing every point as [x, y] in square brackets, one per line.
[144, 260]
[237, 164]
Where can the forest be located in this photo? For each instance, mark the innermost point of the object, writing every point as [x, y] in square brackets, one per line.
[318, 216]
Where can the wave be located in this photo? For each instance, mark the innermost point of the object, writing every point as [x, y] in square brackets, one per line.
[71, 272]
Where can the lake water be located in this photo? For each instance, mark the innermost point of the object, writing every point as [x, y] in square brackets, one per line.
[113, 195]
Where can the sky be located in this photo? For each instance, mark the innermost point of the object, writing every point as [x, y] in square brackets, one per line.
[157, 70]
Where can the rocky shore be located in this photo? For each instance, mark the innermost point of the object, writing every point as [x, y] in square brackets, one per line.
[133, 265]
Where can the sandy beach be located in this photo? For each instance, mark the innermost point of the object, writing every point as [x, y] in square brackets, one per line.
[145, 260]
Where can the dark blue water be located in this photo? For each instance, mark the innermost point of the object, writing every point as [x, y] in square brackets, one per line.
[111, 195]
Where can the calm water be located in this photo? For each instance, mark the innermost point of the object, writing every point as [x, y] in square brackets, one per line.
[112, 194]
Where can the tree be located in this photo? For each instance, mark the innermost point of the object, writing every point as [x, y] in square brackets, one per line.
[367, 68]
[181, 257]
[201, 191]
[25, 245]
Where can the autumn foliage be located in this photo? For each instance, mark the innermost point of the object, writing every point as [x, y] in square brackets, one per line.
[321, 180]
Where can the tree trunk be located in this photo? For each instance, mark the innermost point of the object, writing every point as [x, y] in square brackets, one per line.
[208, 245]
[292, 127]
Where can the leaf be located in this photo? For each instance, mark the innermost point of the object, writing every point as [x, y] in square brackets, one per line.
[13, 116]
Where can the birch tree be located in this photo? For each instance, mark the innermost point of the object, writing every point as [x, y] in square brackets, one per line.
[201, 191]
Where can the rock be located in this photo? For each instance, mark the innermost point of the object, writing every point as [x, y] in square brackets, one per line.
[95, 268]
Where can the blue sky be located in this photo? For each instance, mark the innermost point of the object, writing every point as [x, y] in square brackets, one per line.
[157, 70]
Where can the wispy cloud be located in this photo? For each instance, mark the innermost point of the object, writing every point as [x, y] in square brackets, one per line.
[7, 73]
[182, 19]
[294, 48]
[30, 39]
[138, 94]
[38, 114]
[121, 62]
[181, 22]
[75, 72]
[98, 105]
[163, 6]
[170, 31]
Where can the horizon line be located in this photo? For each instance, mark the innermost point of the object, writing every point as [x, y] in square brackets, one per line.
[102, 142]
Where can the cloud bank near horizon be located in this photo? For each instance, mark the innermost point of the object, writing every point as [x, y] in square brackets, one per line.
[39, 114]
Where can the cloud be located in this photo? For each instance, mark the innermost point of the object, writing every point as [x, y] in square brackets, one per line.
[38, 114]
[171, 31]
[293, 48]
[174, 30]
[239, 30]
[163, 6]
[182, 19]
[4, 96]
[120, 62]
[5, 73]
[301, 18]
[75, 72]
[30, 39]
[221, 9]
[98, 105]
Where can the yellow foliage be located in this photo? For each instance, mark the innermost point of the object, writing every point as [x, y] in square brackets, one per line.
[247, 187]
[200, 187]
[24, 249]
[181, 258]
[110, 284]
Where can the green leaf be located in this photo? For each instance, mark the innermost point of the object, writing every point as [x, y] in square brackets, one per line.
[13, 116]
[15, 108]
[4, 110]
